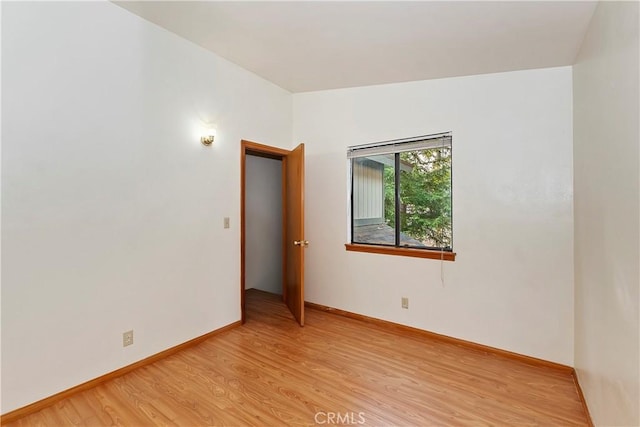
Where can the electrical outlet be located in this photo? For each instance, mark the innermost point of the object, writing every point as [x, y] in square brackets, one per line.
[226, 222]
[405, 302]
[127, 338]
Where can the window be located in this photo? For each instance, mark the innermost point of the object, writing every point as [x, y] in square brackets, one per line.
[401, 194]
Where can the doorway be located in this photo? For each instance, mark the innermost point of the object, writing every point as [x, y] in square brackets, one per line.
[263, 224]
[257, 258]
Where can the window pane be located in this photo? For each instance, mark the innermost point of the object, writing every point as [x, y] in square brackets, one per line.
[425, 198]
[373, 200]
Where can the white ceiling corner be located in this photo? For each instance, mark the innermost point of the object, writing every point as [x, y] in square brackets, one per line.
[316, 45]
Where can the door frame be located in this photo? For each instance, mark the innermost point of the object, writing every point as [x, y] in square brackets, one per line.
[256, 149]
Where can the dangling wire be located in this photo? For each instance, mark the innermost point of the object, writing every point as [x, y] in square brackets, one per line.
[442, 267]
[442, 147]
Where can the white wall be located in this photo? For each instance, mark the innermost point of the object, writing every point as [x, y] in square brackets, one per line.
[0, 210]
[263, 224]
[112, 210]
[512, 284]
[607, 199]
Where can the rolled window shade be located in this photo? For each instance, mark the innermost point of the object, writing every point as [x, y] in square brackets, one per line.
[441, 140]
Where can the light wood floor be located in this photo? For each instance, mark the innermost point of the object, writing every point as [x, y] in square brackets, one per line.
[271, 372]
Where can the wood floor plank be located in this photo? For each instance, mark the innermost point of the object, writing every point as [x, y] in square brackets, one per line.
[271, 372]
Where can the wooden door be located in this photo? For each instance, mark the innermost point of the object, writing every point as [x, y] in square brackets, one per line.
[295, 242]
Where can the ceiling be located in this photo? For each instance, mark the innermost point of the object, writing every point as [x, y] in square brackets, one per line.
[316, 45]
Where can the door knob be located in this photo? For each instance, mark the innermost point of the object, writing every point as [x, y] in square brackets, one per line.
[301, 242]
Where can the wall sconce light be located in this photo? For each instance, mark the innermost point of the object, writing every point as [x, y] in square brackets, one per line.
[207, 138]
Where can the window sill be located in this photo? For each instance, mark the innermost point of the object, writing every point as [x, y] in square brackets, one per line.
[389, 250]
